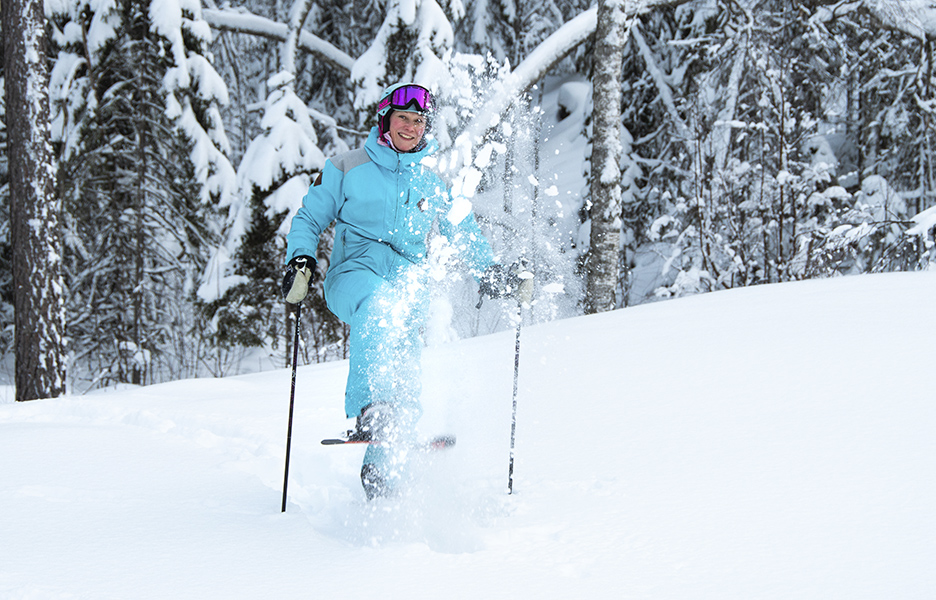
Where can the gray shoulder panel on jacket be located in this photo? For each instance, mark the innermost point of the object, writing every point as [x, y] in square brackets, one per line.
[347, 161]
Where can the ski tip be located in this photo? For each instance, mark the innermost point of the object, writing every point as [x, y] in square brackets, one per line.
[442, 442]
[335, 442]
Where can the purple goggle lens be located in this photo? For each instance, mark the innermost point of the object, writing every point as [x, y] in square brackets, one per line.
[403, 98]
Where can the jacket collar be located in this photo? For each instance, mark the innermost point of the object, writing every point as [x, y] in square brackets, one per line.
[391, 159]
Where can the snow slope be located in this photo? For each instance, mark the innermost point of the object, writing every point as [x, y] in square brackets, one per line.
[768, 442]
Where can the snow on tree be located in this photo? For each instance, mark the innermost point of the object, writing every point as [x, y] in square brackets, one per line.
[488, 28]
[409, 46]
[242, 285]
[757, 139]
[241, 290]
[142, 156]
[194, 94]
[509, 30]
[243, 21]
[774, 124]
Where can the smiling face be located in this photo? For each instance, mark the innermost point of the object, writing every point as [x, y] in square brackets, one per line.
[406, 129]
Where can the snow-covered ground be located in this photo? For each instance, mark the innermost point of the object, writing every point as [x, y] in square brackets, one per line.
[769, 442]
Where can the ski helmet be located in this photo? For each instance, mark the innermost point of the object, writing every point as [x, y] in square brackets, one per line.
[408, 97]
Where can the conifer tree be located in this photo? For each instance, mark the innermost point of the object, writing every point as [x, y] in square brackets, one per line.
[143, 163]
[490, 27]
[409, 46]
[244, 299]
[35, 234]
[242, 295]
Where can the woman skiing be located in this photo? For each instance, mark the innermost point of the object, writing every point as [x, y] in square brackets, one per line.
[384, 202]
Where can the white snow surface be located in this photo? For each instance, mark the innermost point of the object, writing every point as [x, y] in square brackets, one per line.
[768, 442]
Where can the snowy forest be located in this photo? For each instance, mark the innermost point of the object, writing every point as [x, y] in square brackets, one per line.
[633, 151]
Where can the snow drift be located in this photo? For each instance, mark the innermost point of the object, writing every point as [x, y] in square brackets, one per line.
[768, 442]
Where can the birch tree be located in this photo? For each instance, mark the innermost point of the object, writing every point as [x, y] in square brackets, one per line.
[602, 262]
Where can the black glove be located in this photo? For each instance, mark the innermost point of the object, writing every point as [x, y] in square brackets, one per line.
[299, 273]
[498, 281]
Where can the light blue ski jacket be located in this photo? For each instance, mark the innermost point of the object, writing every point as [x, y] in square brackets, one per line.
[384, 204]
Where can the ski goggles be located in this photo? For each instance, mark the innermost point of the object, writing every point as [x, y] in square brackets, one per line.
[408, 98]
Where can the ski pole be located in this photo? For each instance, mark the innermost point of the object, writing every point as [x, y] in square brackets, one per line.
[292, 402]
[525, 297]
[513, 416]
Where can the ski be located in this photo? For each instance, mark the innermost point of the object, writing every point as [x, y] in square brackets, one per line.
[437, 443]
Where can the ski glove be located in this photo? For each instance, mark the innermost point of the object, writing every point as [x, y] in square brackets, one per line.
[498, 282]
[299, 273]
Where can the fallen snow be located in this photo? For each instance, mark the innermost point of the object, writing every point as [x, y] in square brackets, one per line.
[768, 442]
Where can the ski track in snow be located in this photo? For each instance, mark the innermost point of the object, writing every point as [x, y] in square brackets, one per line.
[768, 442]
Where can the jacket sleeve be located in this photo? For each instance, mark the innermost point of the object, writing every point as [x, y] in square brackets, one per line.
[465, 235]
[319, 208]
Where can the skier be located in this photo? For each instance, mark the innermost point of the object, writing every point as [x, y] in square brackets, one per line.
[385, 202]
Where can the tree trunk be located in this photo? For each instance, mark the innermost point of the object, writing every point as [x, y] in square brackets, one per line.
[36, 239]
[602, 262]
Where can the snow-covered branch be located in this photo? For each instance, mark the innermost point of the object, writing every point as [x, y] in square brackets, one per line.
[530, 70]
[666, 93]
[297, 16]
[244, 22]
[544, 57]
[913, 17]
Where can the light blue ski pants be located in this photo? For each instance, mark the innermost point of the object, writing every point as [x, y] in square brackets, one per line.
[386, 317]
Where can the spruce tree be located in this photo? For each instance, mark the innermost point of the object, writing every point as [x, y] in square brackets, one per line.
[143, 167]
[409, 46]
